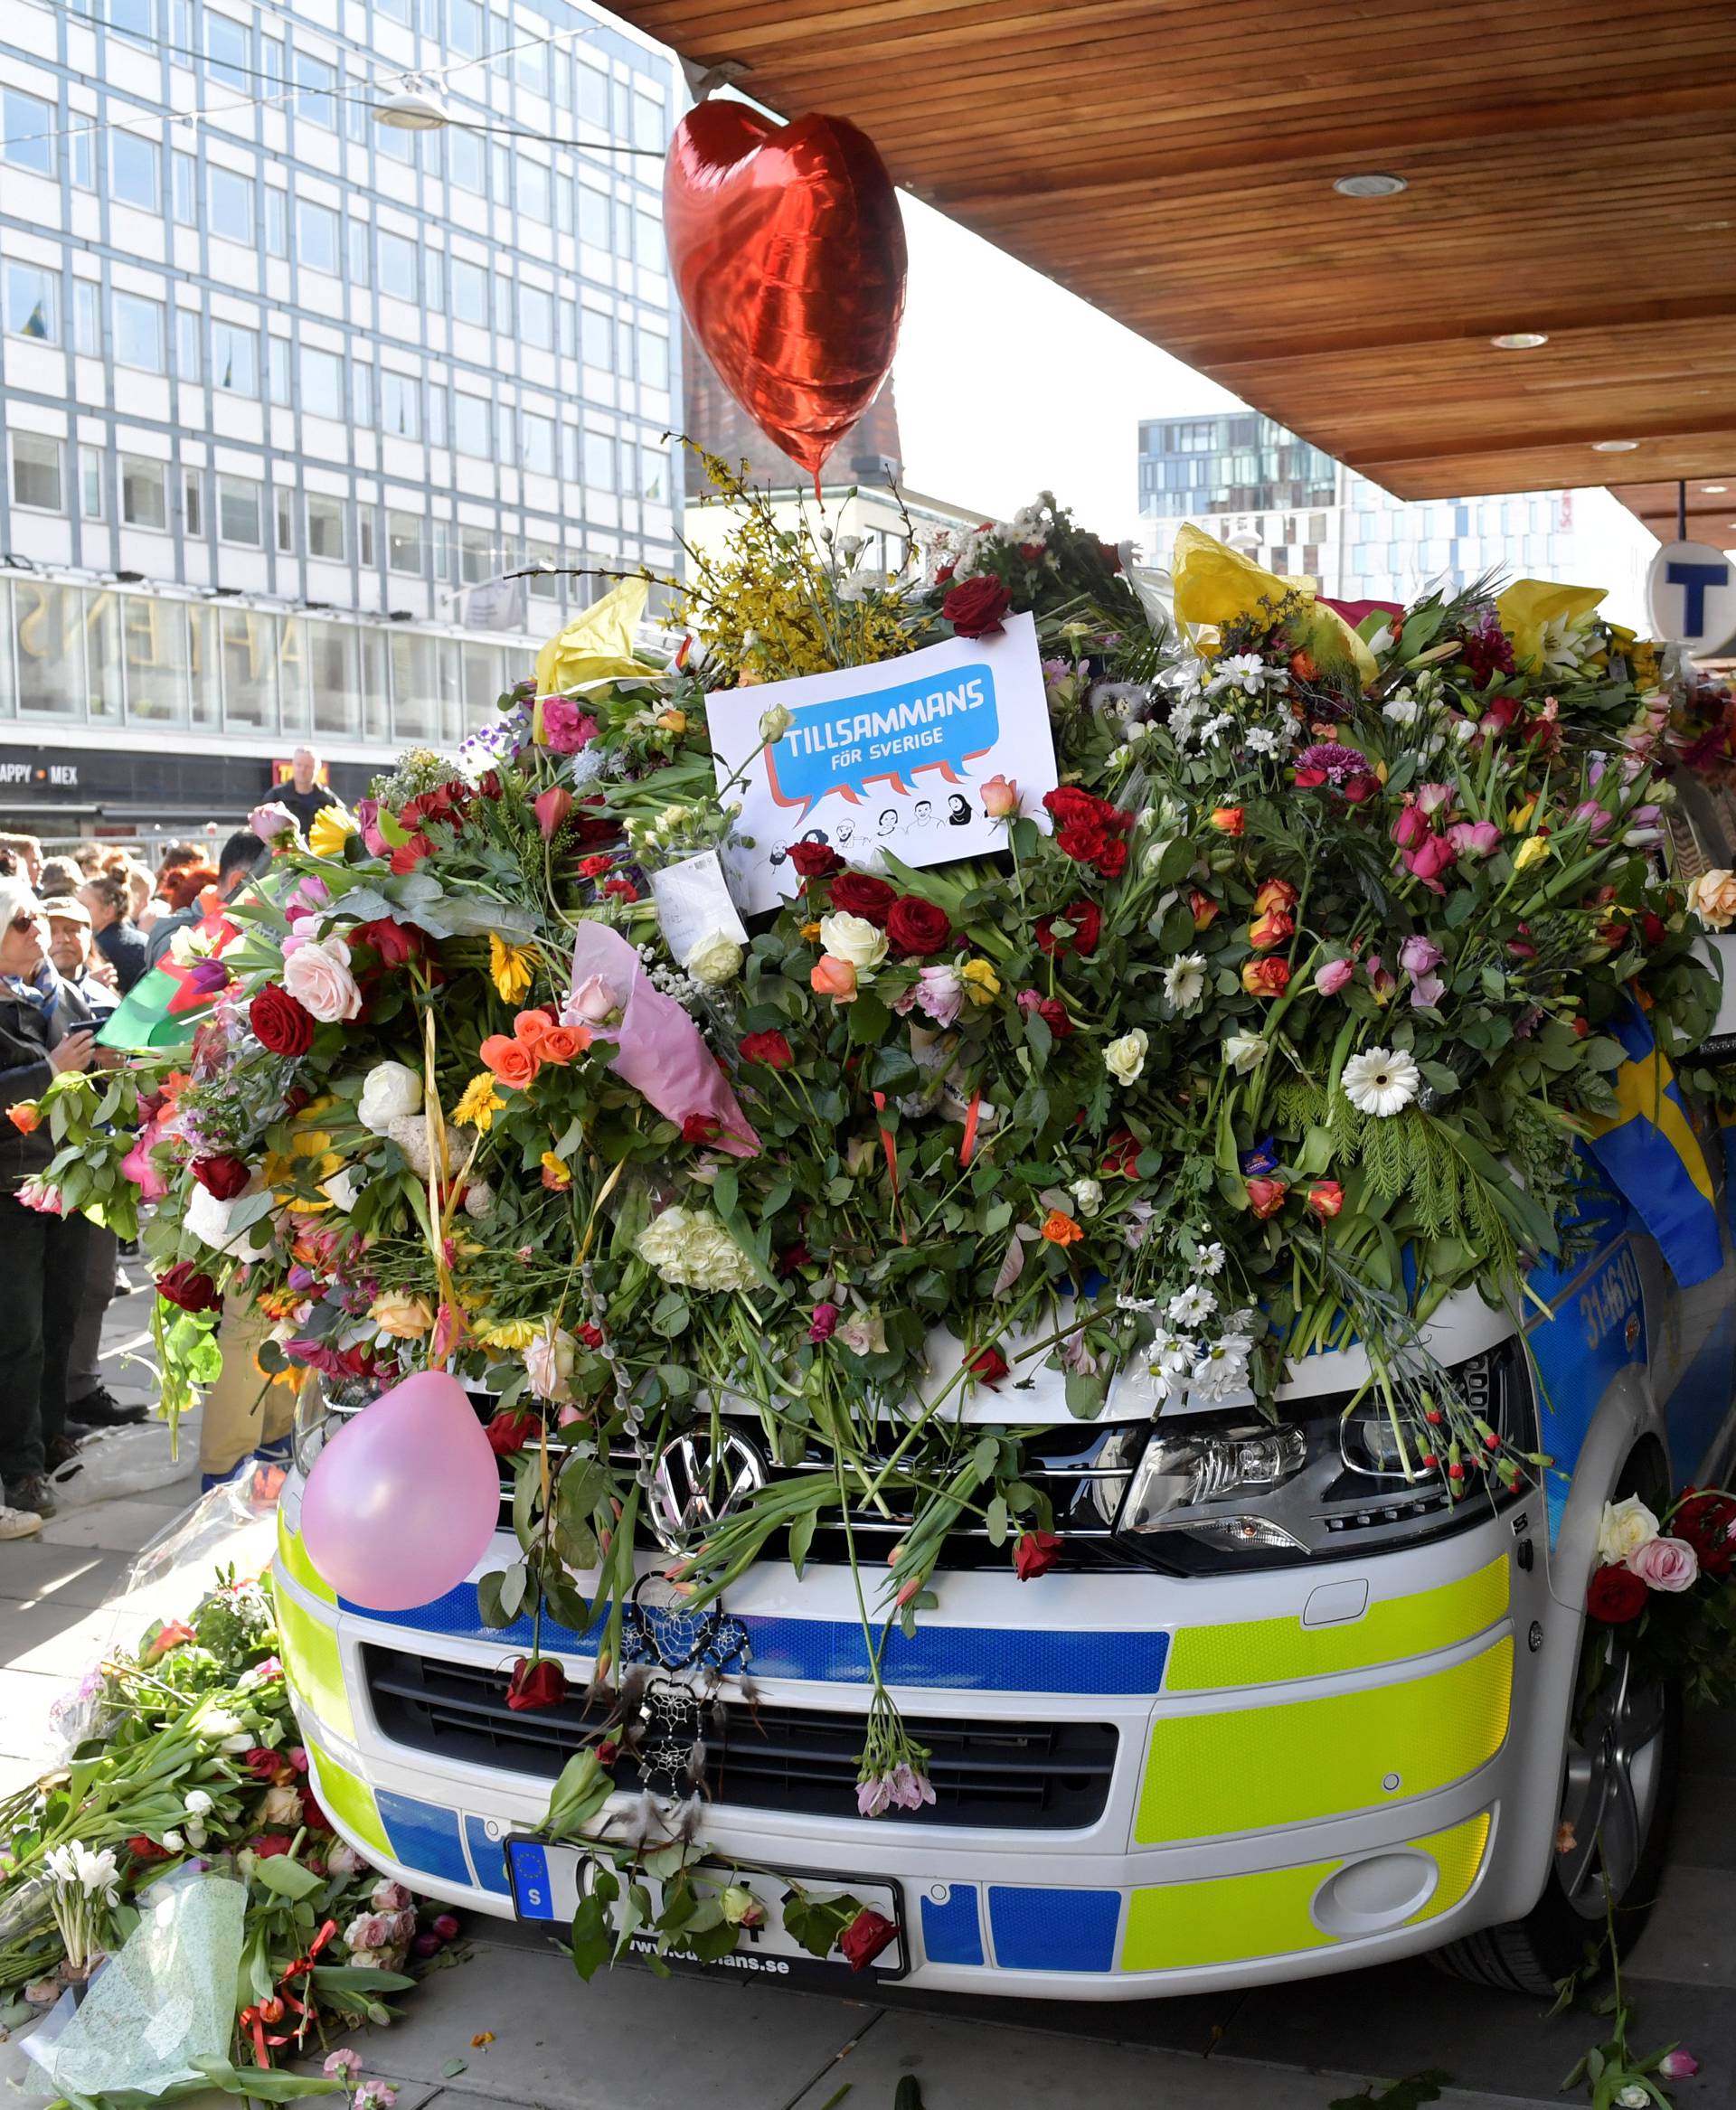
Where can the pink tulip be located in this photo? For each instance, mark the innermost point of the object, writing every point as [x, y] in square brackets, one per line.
[1475, 838]
[1678, 2066]
[1333, 976]
[551, 807]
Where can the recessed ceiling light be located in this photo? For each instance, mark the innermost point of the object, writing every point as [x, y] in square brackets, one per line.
[1520, 340]
[1371, 186]
[1714, 490]
[1614, 446]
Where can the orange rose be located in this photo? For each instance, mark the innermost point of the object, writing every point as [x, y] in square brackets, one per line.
[513, 1063]
[835, 978]
[1274, 894]
[1266, 1197]
[1206, 911]
[1226, 819]
[1060, 1230]
[23, 1116]
[529, 1027]
[1270, 977]
[1271, 928]
[1325, 1197]
[559, 1044]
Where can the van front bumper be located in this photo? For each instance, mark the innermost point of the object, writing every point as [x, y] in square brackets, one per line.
[1317, 1769]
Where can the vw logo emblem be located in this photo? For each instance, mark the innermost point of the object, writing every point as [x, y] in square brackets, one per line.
[699, 1479]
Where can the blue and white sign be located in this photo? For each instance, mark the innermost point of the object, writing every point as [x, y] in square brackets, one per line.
[887, 758]
[1691, 594]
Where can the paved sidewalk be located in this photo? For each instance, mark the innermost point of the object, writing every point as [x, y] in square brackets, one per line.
[626, 2042]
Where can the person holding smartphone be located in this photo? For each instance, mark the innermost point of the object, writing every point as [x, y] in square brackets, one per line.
[43, 1256]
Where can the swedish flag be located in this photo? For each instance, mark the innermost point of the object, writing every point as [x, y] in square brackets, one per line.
[1652, 1154]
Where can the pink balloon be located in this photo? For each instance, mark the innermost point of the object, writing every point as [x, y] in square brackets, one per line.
[401, 1502]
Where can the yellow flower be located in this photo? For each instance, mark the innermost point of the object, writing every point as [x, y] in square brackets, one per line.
[982, 984]
[673, 720]
[332, 826]
[811, 932]
[310, 1143]
[1532, 851]
[556, 1172]
[1520, 817]
[508, 1332]
[479, 1104]
[513, 967]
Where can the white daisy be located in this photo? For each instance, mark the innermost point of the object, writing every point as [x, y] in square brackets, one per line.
[1260, 739]
[1171, 1362]
[1222, 1370]
[1184, 981]
[1381, 1081]
[1190, 1306]
[1209, 1258]
[1243, 670]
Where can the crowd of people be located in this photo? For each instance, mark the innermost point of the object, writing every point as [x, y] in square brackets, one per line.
[76, 933]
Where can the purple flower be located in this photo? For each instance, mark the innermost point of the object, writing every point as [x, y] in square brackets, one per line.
[873, 1797]
[1427, 991]
[206, 978]
[1417, 954]
[909, 1788]
[1334, 761]
[1598, 817]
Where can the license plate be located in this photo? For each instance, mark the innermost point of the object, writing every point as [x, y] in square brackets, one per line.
[549, 1881]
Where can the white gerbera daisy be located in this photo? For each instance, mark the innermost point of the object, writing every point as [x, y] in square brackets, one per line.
[1381, 1081]
[1190, 1306]
[1184, 981]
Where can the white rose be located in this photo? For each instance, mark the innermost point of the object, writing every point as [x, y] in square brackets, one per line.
[715, 960]
[1125, 1059]
[1089, 1194]
[774, 723]
[548, 1363]
[208, 1218]
[1627, 1526]
[1244, 1051]
[317, 976]
[392, 1088]
[852, 938]
[342, 1189]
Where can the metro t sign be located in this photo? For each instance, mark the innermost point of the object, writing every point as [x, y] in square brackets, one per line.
[1691, 595]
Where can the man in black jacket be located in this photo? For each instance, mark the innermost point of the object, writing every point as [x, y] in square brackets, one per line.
[42, 1255]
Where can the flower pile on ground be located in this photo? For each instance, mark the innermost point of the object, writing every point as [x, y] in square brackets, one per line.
[1282, 1019]
[187, 1758]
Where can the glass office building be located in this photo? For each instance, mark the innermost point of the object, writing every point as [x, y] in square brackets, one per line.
[1299, 512]
[281, 384]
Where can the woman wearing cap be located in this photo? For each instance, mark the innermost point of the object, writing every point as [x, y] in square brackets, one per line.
[42, 1257]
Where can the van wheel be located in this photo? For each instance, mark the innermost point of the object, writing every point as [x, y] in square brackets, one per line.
[1618, 1780]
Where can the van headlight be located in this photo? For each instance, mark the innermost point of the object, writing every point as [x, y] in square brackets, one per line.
[1329, 1478]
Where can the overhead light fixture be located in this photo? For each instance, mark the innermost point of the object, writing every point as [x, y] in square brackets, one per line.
[1614, 446]
[1714, 490]
[1520, 340]
[415, 107]
[1371, 186]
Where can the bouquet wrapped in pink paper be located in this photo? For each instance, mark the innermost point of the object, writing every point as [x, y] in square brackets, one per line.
[659, 1050]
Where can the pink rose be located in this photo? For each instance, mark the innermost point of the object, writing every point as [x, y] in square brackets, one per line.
[1417, 954]
[1333, 976]
[367, 1930]
[389, 1897]
[1433, 798]
[137, 1167]
[565, 728]
[591, 1003]
[1665, 1564]
[317, 976]
[1428, 860]
[1411, 828]
[1427, 991]
[271, 821]
[1000, 797]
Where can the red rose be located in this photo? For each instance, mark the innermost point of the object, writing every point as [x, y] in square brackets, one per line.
[915, 925]
[1705, 1521]
[859, 893]
[1035, 1554]
[396, 944]
[1652, 927]
[814, 860]
[701, 1128]
[974, 609]
[1069, 808]
[538, 1684]
[312, 1815]
[509, 1432]
[185, 1285]
[222, 1176]
[1616, 1595]
[592, 1336]
[143, 1849]
[1121, 1154]
[990, 1366]
[279, 1022]
[771, 1048]
[1325, 1197]
[868, 1933]
[1266, 976]
[1084, 843]
[795, 1257]
[1053, 1013]
[269, 1845]
[263, 1763]
[1087, 921]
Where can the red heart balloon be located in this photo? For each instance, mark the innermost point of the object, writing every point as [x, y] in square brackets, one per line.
[788, 254]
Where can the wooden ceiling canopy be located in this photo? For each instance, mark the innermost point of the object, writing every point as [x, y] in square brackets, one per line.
[1571, 164]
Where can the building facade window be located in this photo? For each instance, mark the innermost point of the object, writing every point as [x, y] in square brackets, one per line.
[90, 499]
[35, 472]
[234, 359]
[238, 512]
[135, 171]
[139, 336]
[33, 302]
[144, 494]
[326, 522]
[400, 406]
[322, 383]
[316, 236]
[231, 205]
[27, 126]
